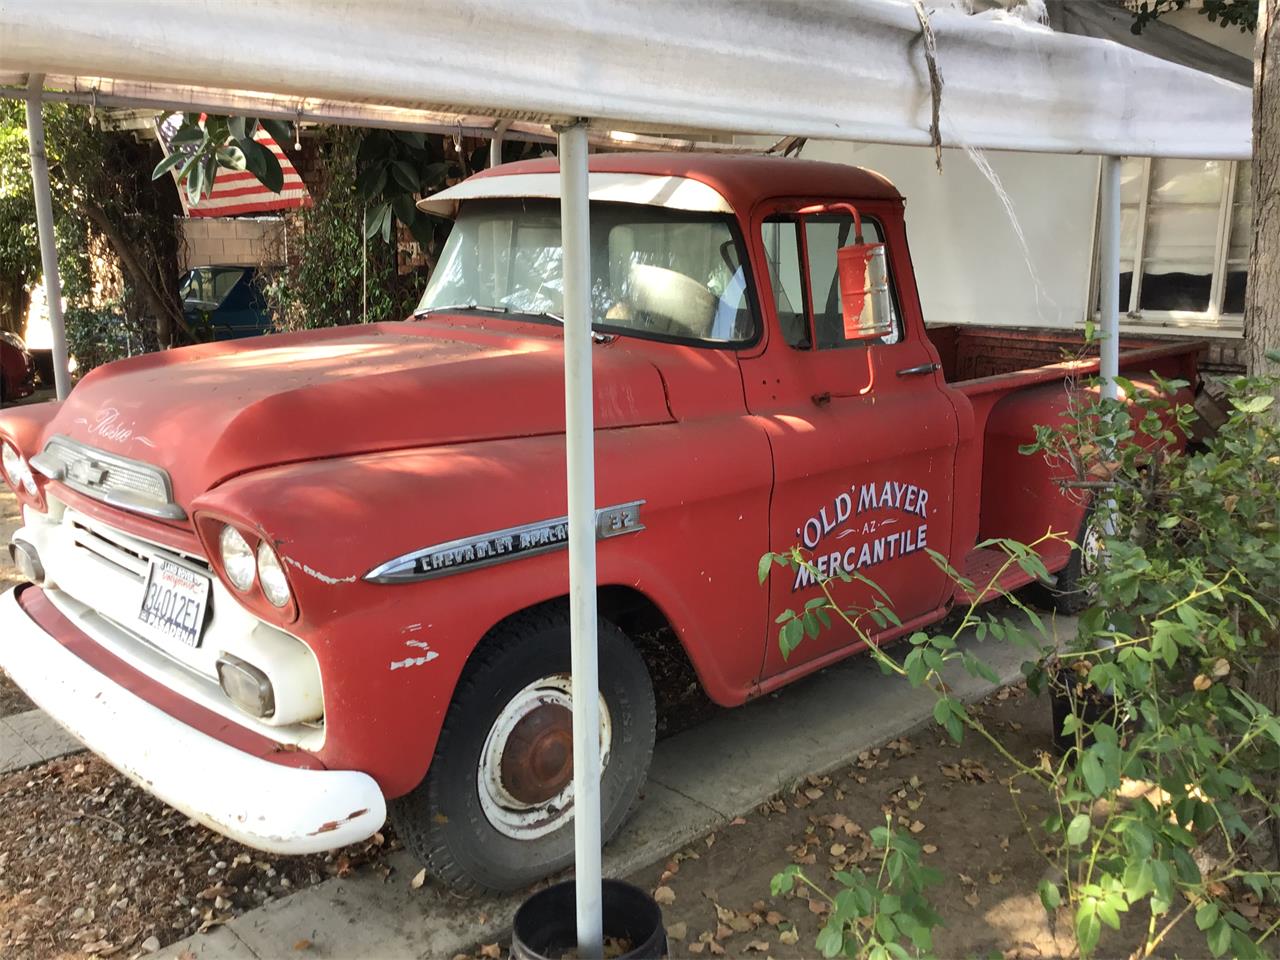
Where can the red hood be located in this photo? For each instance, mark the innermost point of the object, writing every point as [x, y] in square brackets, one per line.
[210, 412]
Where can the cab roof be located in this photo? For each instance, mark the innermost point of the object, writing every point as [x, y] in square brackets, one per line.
[741, 180]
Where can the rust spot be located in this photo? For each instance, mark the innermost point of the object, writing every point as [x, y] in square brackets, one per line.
[335, 824]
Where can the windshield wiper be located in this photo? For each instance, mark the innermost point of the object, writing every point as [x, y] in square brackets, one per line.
[458, 307]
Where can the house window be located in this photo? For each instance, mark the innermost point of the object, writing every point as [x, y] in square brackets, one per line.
[1184, 240]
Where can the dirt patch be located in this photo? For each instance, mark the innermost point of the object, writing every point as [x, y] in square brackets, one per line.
[12, 699]
[951, 799]
[92, 865]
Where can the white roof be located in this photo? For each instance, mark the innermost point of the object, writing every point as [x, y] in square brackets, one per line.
[678, 193]
[841, 69]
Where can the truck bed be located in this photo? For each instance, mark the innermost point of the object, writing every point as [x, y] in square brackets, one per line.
[980, 360]
[1013, 378]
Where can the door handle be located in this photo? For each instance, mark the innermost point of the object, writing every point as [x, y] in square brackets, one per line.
[919, 369]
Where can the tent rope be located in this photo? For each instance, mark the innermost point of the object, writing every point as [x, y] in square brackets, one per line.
[935, 78]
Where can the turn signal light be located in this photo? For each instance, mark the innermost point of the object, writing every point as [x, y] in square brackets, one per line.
[248, 687]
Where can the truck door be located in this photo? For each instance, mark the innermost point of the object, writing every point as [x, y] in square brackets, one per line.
[863, 438]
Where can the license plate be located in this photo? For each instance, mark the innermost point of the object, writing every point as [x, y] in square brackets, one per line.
[173, 603]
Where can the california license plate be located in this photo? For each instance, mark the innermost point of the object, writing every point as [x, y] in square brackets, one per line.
[173, 603]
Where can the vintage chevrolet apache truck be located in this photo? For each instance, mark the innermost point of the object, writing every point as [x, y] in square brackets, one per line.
[291, 583]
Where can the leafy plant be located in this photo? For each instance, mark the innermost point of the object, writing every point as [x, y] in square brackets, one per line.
[1164, 795]
[205, 144]
[870, 918]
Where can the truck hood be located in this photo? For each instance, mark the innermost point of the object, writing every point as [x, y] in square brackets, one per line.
[213, 411]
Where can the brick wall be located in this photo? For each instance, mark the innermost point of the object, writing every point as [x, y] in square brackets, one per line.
[241, 241]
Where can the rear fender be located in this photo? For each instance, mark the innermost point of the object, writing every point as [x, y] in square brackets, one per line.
[1023, 496]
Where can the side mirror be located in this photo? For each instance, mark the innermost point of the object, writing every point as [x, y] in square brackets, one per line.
[865, 303]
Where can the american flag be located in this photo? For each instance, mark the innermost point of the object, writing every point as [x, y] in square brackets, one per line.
[236, 193]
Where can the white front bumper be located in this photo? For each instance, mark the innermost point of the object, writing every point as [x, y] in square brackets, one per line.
[259, 803]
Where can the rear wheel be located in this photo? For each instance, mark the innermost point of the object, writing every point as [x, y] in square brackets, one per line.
[495, 811]
[1074, 591]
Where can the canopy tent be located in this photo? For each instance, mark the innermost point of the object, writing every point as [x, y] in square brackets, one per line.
[622, 69]
[842, 69]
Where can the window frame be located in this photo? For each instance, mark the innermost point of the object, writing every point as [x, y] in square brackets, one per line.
[1212, 318]
[792, 216]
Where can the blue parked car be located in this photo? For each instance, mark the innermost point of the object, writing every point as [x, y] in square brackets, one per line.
[224, 302]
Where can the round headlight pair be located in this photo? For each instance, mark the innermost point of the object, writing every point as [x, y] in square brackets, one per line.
[16, 469]
[243, 566]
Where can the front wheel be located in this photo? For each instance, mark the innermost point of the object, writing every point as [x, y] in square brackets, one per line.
[495, 810]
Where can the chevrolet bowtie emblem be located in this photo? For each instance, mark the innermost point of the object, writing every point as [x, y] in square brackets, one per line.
[90, 473]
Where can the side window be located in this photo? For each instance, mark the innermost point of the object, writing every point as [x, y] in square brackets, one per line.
[782, 252]
[824, 236]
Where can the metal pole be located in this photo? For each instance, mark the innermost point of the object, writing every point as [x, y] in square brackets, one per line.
[1109, 295]
[44, 224]
[575, 228]
[495, 145]
[1109, 276]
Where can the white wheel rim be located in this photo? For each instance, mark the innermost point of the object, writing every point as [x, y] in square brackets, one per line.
[530, 818]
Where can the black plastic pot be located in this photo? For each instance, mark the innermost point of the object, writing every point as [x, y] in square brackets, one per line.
[1091, 706]
[545, 927]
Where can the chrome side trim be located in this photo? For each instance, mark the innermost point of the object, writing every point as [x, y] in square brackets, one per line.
[500, 546]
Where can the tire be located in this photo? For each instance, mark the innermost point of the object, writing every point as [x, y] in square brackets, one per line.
[463, 821]
[1071, 594]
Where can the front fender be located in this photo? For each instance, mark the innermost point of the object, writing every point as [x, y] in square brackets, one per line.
[391, 654]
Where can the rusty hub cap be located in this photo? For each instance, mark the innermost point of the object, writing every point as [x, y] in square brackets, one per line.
[525, 775]
[538, 761]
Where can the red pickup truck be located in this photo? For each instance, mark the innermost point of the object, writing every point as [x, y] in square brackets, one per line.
[291, 583]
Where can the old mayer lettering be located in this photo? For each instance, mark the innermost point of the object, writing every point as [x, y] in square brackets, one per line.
[849, 513]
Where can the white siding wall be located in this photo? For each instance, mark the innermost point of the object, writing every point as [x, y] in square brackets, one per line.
[969, 263]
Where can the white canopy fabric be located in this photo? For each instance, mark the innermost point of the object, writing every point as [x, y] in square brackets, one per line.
[833, 69]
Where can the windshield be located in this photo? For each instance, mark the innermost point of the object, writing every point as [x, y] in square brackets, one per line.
[654, 271]
[206, 287]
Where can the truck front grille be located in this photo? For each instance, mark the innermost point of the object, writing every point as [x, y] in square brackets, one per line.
[124, 483]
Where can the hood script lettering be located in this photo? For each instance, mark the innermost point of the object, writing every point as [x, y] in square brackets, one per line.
[111, 426]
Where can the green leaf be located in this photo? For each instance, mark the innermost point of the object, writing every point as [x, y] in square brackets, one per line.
[374, 218]
[1091, 769]
[188, 133]
[405, 175]
[237, 127]
[1253, 404]
[413, 138]
[1078, 829]
[281, 131]
[167, 164]
[1206, 915]
[371, 180]
[1219, 938]
[1050, 895]
[262, 163]
[404, 209]
[830, 940]
[1088, 927]
[763, 568]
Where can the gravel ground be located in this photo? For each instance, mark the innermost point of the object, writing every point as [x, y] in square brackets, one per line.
[12, 700]
[91, 865]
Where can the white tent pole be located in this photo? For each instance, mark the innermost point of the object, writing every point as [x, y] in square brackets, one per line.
[575, 228]
[500, 128]
[44, 224]
[1109, 276]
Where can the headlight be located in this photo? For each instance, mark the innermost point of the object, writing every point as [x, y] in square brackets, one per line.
[16, 470]
[275, 586]
[237, 558]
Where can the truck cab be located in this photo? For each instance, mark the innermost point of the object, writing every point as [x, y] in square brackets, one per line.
[292, 582]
